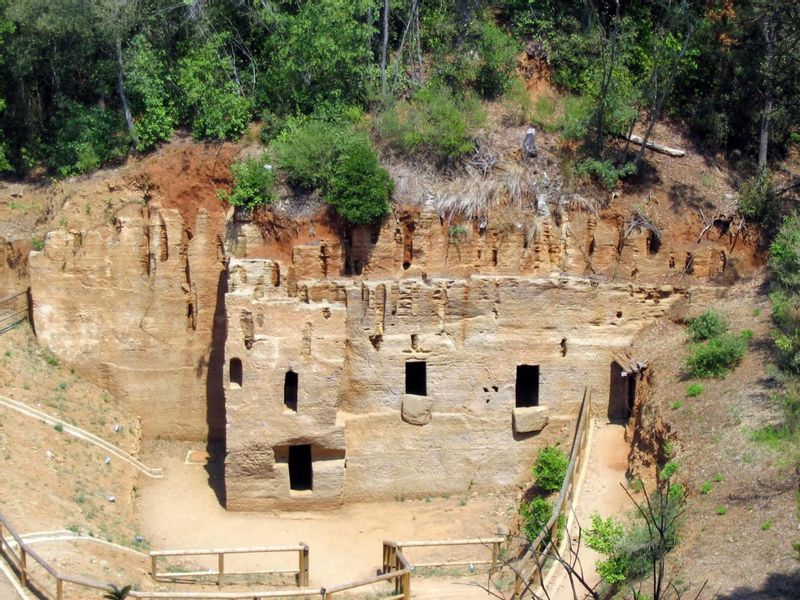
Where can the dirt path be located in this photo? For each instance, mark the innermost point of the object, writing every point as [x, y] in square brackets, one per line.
[181, 511]
[600, 493]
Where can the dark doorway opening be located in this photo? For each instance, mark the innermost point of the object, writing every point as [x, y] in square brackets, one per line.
[290, 390]
[301, 475]
[527, 392]
[236, 371]
[416, 378]
[621, 394]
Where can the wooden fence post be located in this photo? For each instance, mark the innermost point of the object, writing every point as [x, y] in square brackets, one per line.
[495, 554]
[406, 582]
[23, 566]
[153, 567]
[220, 568]
[304, 576]
[517, 586]
[59, 589]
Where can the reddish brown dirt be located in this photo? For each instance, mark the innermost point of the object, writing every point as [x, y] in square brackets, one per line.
[186, 175]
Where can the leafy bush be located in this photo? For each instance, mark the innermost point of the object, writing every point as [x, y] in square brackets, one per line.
[708, 325]
[359, 188]
[253, 183]
[87, 138]
[757, 201]
[338, 161]
[435, 121]
[717, 356]
[305, 151]
[497, 55]
[784, 254]
[517, 103]
[218, 109]
[604, 171]
[535, 516]
[155, 113]
[694, 390]
[605, 537]
[550, 468]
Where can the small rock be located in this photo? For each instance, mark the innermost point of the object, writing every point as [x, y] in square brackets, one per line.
[107, 460]
[112, 498]
[117, 427]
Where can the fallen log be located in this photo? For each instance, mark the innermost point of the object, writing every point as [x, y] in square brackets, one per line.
[635, 139]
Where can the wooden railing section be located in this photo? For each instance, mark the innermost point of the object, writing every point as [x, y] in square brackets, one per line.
[14, 310]
[528, 570]
[493, 543]
[395, 566]
[301, 573]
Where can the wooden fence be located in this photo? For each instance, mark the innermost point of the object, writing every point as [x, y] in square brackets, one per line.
[528, 570]
[14, 310]
[301, 573]
[395, 566]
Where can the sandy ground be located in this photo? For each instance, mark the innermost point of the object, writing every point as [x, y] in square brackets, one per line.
[181, 511]
[601, 493]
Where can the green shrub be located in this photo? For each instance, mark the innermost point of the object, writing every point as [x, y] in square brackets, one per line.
[359, 188]
[517, 103]
[708, 325]
[305, 150]
[87, 138]
[550, 468]
[716, 357]
[722, 510]
[757, 201]
[340, 162]
[535, 516]
[605, 536]
[784, 255]
[435, 122]
[497, 59]
[604, 172]
[253, 182]
[706, 488]
[694, 390]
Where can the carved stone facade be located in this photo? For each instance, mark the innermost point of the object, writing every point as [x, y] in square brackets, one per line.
[355, 390]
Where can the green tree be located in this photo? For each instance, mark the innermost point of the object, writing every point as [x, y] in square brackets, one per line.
[155, 112]
[217, 105]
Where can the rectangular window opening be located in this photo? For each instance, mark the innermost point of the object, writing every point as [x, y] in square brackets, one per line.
[290, 390]
[527, 391]
[235, 371]
[416, 378]
[301, 475]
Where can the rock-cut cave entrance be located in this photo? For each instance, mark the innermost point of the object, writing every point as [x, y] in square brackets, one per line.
[416, 378]
[527, 389]
[301, 475]
[621, 393]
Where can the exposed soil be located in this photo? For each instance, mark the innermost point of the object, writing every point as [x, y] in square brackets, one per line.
[739, 528]
[52, 480]
[182, 511]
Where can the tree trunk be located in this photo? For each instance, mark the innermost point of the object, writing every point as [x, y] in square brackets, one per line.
[769, 30]
[385, 45]
[123, 96]
[662, 97]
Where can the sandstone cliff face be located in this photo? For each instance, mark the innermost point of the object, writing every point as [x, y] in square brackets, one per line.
[359, 350]
[132, 308]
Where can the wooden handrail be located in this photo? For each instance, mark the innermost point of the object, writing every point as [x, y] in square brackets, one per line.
[397, 568]
[301, 572]
[561, 506]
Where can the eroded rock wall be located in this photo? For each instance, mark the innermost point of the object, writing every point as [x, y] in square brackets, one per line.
[132, 308]
[349, 343]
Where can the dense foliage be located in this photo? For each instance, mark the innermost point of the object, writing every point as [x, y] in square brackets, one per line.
[253, 182]
[339, 161]
[84, 82]
[709, 324]
[550, 468]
